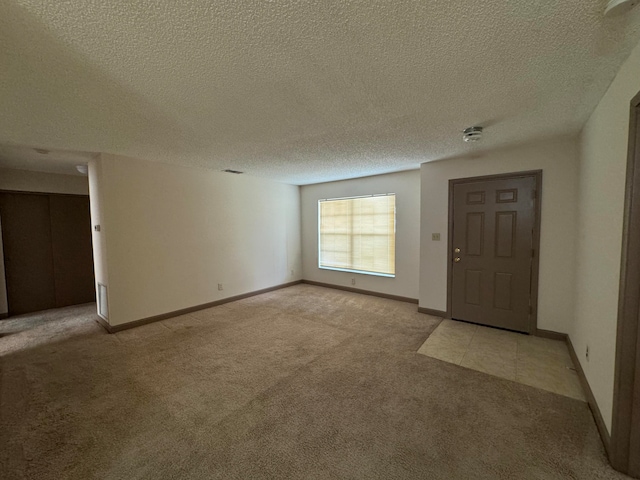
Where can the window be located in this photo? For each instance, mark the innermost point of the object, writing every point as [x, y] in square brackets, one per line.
[358, 234]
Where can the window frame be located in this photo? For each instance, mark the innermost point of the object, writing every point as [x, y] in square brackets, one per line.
[348, 270]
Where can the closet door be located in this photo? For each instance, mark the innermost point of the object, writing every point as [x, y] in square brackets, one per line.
[26, 236]
[72, 255]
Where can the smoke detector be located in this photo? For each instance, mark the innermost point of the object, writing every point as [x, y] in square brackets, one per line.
[472, 134]
[618, 7]
[83, 169]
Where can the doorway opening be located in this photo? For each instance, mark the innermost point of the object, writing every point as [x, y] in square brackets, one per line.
[47, 251]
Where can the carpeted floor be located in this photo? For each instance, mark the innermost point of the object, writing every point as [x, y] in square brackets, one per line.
[304, 382]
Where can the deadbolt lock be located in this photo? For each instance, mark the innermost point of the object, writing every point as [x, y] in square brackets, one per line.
[457, 259]
[457, 250]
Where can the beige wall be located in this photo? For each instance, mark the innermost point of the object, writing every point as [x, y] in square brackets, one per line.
[27, 181]
[558, 161]
[603, 160]
[406, 186]
[173, 233]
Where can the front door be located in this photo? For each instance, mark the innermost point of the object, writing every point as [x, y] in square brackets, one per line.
[493, 235]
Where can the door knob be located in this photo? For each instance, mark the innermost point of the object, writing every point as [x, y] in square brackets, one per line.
[457, 250]
[457, 259]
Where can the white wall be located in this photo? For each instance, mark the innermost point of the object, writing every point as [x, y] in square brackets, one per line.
[27, 181]
[173, 233]
[603, 160]
[97, 238]
[558, 161]
[406, 186]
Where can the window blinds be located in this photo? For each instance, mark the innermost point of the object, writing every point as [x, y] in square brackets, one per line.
[358, 234]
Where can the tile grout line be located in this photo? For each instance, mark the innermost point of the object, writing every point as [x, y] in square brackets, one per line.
[468, 345]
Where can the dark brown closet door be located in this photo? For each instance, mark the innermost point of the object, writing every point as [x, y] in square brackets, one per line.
[72, 255]
[26, 236]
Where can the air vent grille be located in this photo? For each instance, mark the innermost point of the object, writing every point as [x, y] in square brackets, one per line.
[103, 306]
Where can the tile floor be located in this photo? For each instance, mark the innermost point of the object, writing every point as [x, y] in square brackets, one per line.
[534, 361]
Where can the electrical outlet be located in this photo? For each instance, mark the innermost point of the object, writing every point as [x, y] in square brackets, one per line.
[586, 354]
[292, 273]
[353, 281]
[435, 237]
[219, 286]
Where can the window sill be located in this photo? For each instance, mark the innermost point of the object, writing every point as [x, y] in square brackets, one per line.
[361, 272]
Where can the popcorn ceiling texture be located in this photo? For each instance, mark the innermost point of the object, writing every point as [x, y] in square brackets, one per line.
[301, 92]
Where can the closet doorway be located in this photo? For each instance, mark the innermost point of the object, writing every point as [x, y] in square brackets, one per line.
[48, 256]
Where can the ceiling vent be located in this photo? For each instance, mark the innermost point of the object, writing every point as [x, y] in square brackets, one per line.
[237, 172]
[472, 134]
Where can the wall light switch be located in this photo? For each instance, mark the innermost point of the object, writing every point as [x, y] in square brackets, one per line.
[219, 286]
[435, 237]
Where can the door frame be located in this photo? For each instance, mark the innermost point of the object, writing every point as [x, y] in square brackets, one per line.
[625, 428]
[535, 266]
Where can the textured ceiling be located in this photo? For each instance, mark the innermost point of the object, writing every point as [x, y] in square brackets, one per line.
[43, 160]
[298, 91]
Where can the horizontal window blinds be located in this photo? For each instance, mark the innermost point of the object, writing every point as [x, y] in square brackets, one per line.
[358, 234]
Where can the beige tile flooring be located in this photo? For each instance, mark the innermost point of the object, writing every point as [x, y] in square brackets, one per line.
[538, 362]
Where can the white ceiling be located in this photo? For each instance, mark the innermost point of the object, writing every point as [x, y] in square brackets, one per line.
[297, 91]
[43, 160]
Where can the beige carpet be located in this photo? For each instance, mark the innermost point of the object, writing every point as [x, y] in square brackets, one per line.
[304, 382]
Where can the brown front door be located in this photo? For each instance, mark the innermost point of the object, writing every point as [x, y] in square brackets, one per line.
[493, 235]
